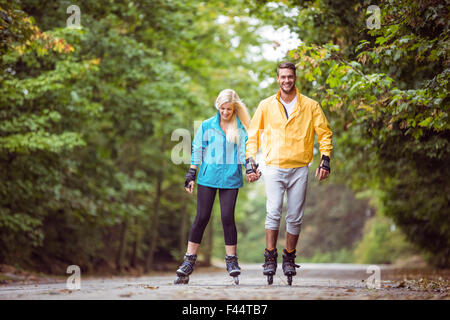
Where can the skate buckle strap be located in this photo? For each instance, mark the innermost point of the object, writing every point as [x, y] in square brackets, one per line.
[270, 254]
[232, 264]
[270, 257]
[289, 259]
[188, 263]
[190, 258]
[269, 263]
[187, 267]
[231, 259]
[288, 264]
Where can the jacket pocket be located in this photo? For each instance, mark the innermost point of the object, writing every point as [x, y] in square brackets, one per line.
[267, 152]
[204, 169]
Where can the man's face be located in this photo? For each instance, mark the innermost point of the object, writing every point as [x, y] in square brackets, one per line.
[286, 78]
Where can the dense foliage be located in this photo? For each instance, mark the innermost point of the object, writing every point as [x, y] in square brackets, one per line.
[87, 117]
[386, 90]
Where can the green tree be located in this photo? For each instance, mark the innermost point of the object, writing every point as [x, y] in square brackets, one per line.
[87, 116]
[386, 93]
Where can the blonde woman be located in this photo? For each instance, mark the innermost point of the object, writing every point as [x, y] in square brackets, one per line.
[218, 151]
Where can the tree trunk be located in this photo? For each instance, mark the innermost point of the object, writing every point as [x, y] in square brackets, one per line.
[135, 245]
[155, 224]
[183, 230]
[120, 252]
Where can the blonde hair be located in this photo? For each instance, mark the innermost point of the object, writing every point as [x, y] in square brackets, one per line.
[240, 110]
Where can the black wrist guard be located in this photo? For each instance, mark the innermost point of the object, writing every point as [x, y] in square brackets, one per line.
[190, 176]
[326, 163]
[250, 166]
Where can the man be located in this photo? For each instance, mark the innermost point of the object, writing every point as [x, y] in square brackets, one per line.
[289, 120]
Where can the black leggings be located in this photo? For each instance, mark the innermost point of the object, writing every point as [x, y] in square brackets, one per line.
[205, 201]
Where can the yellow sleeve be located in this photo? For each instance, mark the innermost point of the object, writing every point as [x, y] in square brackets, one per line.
[255, 127]
[323, 131]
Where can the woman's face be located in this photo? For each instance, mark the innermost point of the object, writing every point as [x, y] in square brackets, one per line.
[226, 111]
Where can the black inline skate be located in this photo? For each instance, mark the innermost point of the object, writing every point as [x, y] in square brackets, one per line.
[233, 267]
[186, 268]
[289, 265]
[270, 264]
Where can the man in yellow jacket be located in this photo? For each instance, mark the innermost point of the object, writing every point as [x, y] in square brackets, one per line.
[284, 125]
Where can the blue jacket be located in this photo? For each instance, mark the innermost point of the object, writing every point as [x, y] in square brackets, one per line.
[220, 161]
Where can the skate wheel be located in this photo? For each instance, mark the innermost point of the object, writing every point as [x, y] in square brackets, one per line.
[181, 280]
[270, 279]
[289, 280]
[236, 280]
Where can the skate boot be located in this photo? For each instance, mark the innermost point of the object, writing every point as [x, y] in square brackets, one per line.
[289, 265]
[186, 268]
[270, 264]
[233, 267]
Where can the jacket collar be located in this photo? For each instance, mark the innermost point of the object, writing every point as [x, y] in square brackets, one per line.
[296, 108]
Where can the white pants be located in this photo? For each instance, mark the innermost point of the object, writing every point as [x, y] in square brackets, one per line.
[294, 182]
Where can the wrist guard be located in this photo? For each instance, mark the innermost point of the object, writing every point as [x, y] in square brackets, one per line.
[326, 163]
[250, 166]
[190, 176]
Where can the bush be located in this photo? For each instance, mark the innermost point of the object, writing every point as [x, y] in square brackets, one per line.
[343, 255]
[382, 242]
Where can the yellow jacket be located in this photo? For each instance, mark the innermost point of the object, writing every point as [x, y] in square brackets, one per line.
[288, 143]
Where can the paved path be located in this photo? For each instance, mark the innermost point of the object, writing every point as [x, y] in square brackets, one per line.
[314, 281]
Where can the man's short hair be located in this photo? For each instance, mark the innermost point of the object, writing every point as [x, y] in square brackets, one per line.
[287, 65]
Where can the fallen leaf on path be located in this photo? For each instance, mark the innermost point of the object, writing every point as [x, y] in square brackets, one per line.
[126, 295]
[66, 291]
[150, 287]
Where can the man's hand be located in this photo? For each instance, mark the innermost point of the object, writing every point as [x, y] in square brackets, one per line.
[323, 171]
[253, 176]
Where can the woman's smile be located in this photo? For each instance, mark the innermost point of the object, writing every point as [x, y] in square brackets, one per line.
[226, 111]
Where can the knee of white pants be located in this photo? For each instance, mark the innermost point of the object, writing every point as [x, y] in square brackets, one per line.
[272, 224]
[293, 228]
[294, 222]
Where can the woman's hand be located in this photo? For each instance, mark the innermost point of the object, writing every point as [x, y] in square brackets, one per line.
[190, 178]
[190, 187]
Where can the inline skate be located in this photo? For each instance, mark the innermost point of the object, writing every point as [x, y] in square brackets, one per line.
[233, 267]
[289, 265]
[186, 268]
[270, 264]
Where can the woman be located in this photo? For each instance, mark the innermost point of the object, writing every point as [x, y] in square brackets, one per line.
[219, 149]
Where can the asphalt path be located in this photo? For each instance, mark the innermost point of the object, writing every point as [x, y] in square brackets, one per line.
[313, 281]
